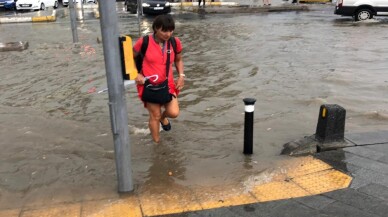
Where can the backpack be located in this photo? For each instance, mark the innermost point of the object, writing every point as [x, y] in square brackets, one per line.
[143, 50]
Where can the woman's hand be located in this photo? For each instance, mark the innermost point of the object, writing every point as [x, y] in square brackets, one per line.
[139, 79]
[180, 83]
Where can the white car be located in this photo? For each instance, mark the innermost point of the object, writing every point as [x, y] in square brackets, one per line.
[66, 2]
[361, 9]
[35, 4]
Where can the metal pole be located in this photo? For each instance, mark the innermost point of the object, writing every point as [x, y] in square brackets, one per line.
[73, 21]
[248, 125]
[139, 7]
[82, 9]
[117, 102]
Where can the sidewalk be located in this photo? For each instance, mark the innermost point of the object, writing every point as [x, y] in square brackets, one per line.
[346, 182]
[367, 195]
[244, 6]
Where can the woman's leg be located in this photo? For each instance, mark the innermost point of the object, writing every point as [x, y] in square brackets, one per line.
[154, 111]
[171, 110]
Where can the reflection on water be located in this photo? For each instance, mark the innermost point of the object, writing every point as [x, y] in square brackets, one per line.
[290, 62]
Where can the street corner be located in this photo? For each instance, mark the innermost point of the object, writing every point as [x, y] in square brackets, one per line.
[298, 177]
[301, 177]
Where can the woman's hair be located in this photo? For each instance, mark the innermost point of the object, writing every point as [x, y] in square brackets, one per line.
[165, 21]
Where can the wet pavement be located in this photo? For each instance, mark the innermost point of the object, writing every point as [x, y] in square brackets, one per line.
[367, 195]
[56, 142]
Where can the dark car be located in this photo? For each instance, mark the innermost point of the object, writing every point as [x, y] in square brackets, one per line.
[149, 6]
[8, 4]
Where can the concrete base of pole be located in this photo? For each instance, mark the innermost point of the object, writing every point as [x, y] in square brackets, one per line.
[190, 4]
[310, 145]
[14, 46]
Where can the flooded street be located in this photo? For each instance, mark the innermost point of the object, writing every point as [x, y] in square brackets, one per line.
[55, 129]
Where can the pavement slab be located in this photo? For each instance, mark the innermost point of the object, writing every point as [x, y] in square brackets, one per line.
[10, 213]
[375, 190]
[128, 206]
[342, 210]
[63, 210]
[360, 200]
[317, 202]
[365, 138]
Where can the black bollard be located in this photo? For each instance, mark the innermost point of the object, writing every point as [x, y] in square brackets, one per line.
[331, 123]
[248, 125]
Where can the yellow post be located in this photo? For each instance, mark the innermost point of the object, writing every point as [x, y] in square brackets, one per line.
[128, 63]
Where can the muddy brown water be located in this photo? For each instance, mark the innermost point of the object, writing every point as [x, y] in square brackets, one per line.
[56, 144]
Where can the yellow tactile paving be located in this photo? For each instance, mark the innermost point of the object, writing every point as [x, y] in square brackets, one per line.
[307, 165]
[323, 181]
[128, 207]
[303, 176]
[65, 210]
[10, 213]
[278, 190]
[222, 196]
[168, 201]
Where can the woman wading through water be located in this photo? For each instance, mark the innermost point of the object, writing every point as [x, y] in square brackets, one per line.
[155, 82]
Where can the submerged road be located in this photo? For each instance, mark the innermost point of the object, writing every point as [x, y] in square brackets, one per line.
[56, 130]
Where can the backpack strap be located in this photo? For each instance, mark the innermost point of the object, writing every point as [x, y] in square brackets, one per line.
[140, 57]
[173, 43]
[144, 46]
[168, 60]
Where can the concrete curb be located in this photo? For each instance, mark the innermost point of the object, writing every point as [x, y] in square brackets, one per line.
[87, 6]
[244, 9]
[27, 19]
[189, 4]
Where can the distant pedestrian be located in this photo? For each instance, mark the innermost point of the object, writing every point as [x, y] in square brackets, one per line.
[267, 2]
[199, 3]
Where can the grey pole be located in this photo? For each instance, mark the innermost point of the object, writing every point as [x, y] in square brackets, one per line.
[73, 21]
[82, 9]
[139, 7]
[117, 102]
[139, 14]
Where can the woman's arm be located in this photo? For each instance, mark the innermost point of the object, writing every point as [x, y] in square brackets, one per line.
[179, 68]
[139, 78]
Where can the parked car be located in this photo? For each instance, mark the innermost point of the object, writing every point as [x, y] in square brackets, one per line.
[149, 6]
[35, 4]
[90, 1]
[361, 9]
[66, 2]
[8, 4]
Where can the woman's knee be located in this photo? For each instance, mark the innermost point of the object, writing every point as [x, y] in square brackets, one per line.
[155, 117]
[174, 114]
[155, 114]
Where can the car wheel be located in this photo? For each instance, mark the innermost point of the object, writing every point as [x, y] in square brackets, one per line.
[56, 5]
[363, 14]
[42, 7]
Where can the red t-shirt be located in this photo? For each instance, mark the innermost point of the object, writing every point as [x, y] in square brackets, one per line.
[154, 62]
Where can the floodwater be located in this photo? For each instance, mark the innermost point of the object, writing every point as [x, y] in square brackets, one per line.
[56, 140]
